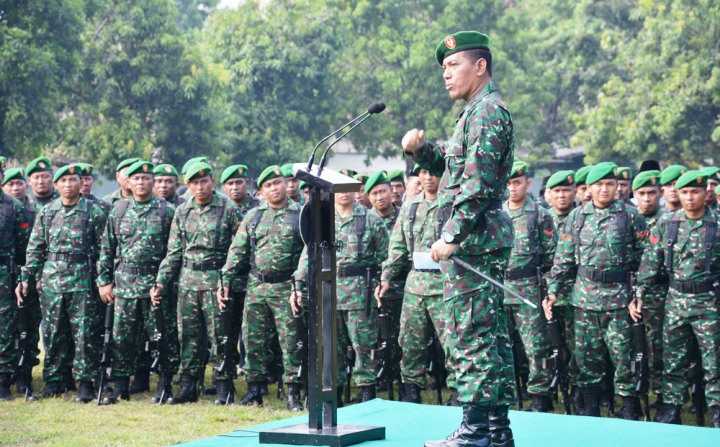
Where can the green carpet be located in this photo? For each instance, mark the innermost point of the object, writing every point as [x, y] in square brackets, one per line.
[411, 424]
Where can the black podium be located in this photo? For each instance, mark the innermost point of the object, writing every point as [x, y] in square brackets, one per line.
[317, 225]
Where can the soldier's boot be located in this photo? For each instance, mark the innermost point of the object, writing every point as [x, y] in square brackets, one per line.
[119, 390]
[411, 393]
[668, 414]
[188, 391]
[591, 402]
[501, 434]
[452, 399]
[5, 393]
[540, 403]
[630, 409]
[294, 403]
[163, 393]
[225, 392]
[715, 416]
[86, 392]
[140, 382]
[253, 396]
[367, 393]
[53, 389]
[474, 430]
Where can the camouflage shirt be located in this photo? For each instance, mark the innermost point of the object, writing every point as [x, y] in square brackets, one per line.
[39, 202]
[609, 241]
[397, 285]
[199, 239]
[100, 202]
[133, 245]
[247, 204]
[62, 250]
[655, 294]
[15, 226]
[563, 295]
[114, 197]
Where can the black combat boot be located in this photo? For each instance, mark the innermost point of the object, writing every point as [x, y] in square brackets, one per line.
[53, 389]
[630, 409]
[253, 396]
[140, 382]
[591, 402]
[715, 416]
[540, 403]
[367, 393]
[86, 392]
[163, 393]
[501, 434]
[473, 431]
[411, 393]
[668, 414]
[5, 393]
[294, 403]
[188, 391]
[225, 392]
[118, 390]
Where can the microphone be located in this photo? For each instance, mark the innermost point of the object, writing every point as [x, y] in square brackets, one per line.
[374, 108]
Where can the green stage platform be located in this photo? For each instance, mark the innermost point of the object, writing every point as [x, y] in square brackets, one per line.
[408, 425]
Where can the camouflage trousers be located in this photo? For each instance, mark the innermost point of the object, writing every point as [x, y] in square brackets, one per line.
[597, 335]
[133, 320]
[358, 329]
[71, 323]
[566, 314]
[653, 317]
[199, 327]
[530, 324]
[9, 315]
[478, 343]
[266, 309]
[679, 328]
[421, 317]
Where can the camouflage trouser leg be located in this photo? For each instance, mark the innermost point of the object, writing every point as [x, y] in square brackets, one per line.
[653, 317]
[8, 329]
[199, 327]
[531, 326]
[274, 351]
[567, 316]
[130, 323]
[677, 333]
[598, 333]
[237, 301]
[360, 330]
[508, 395]
[421, 315]
[394, 311]
[168, 308]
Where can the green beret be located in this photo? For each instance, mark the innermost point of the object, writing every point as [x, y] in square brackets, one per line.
[233, 171]
[12, 174]
[519, 168]
[374, 180]
[436, 166]
[86, 169]
[269, 173]
[287, 170]
[39, 164]
[581, 175]
[125, 163]
[349, 172]
[646, 178]
[191, 162]
[461, 41]
[561, 178]
[71, 169]
[396, 175]
[671, 173]
[362, 178]
[711, 172]
[165, 170]
[198, 169]
[140, 167]
[623, 173]
[602, 170]
[695, 178]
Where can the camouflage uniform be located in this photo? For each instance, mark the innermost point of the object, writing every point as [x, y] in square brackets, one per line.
[133, 245]
[113, 197]
[101, 203]
[38, 203]
[199, 238]
[268, 250]
[691, 305]
[479, 156]
[61, 258]
[533, 248]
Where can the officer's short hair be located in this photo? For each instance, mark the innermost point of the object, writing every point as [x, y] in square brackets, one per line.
[480, 53]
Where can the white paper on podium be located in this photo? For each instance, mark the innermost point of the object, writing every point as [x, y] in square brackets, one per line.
[423, 261]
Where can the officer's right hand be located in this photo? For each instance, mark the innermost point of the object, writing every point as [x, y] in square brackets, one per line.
[547, 305]
[21, 292]
[296, 302]
[106, 293]
[156, 294]
[223, 295]
[413, 140]
[380, 291]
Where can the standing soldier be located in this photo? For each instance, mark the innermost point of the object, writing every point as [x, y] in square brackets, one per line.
[200, 235]
[267, 246]
[668, 177]
[60, 259]
[86, 183]
[479, 156]
[361, 196]
[624, 179]
[15, 185]
[40, 175]
[133, 245]
[686, 245]
[166, 184]
[713, 181]
[293, 184]
[396, 177]
[531, 256]
[14, 230]
[582, 192]
[123, 191]
[598, 251]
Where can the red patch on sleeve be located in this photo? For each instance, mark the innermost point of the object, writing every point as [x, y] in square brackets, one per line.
[654, 239]
[25, 225]
[548, 232]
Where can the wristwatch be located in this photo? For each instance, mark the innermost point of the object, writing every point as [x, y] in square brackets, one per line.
[448, 238]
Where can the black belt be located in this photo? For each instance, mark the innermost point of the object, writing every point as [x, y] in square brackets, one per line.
[203, 266]
[604, 276]
[138, 269]
[529, 271]
[272, 277]
[67, 257]
[354, 270]
[427, 270]
[693, 286]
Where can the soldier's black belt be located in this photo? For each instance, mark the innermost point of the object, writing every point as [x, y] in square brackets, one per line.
[67, 257]
[272, 277]
[203, 266]
[693, 286]
[138, 269]
[426, 270]
[604, 276]
[529, 271]
[353, 270]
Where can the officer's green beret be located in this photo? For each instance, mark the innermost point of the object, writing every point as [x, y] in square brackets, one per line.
[348, 172]
[623, 173]
[581, 175]
[140, 167]
[165, 170]
[519, 168]
[39, 164]
[362, 178]
[12, 174]
[233, 171]
[287, 170]
[71, 169]
[671, 173]
[269, 173]
[198, 169]
[711, 172]
[561, 178]
[694, 178]
[646, 178]
[374, 180]
[125, 163]
[85, 169]
[602, 170]
[191, 162]
[461, 41]
[396, 175]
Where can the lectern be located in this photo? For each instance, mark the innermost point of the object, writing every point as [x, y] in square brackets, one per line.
[317, 225]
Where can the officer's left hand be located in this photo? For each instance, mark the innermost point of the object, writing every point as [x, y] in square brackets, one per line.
[635, 309]
[223, 295]
[380, 292]
[441, 251]
[296, 302]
